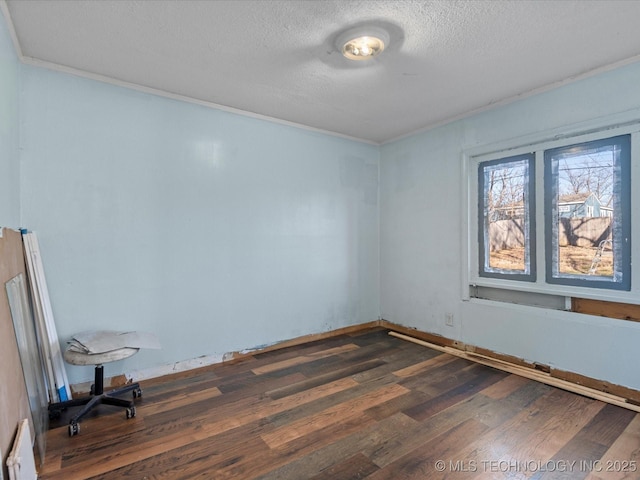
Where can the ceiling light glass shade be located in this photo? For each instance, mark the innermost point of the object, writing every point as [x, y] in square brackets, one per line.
[362, 43]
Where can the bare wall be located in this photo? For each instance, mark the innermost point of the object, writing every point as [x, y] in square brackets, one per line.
[216, 231]
[421, 215]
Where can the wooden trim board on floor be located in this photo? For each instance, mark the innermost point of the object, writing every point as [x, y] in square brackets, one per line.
[537, 375]
[631, 395]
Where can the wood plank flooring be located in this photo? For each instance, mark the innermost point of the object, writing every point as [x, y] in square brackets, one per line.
[364, 405]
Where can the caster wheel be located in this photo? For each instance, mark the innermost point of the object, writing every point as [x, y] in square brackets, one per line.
[74, 429]
[131, 412]
[137, 393]
[92, 391]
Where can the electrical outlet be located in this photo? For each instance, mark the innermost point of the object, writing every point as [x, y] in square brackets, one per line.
[448, 319]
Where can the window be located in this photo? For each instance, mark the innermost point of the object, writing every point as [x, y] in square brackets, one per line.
[553, 218]
[583, 249]
[506, 199]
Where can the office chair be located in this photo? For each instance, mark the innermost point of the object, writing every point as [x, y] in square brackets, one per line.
[97, 395]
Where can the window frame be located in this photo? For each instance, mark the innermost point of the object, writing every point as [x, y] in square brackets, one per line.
[622, 246]
[539, 142]
[530, 220]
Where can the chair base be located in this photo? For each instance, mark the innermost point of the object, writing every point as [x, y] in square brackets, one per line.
[97, 397]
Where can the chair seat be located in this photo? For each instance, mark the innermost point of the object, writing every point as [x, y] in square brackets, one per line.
[79, 358]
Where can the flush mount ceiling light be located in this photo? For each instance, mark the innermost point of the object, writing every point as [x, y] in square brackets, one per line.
[362, 43]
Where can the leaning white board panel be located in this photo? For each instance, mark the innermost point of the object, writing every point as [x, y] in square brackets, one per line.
[44, 314]
[41, 330]
[64, 391]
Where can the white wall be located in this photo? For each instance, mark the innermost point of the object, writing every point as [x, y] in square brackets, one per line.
[9, 138]
[216, 231]
[421, 236]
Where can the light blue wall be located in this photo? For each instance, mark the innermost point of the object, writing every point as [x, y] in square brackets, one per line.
[218, 232]
[9, 138]
[421, 218]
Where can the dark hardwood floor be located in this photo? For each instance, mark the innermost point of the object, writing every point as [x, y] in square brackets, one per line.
[365, 405]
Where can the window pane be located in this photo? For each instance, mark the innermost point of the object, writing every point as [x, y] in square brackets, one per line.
[587, 204]
[506, 199]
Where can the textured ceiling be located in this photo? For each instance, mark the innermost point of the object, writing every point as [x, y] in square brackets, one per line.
[277, 58]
